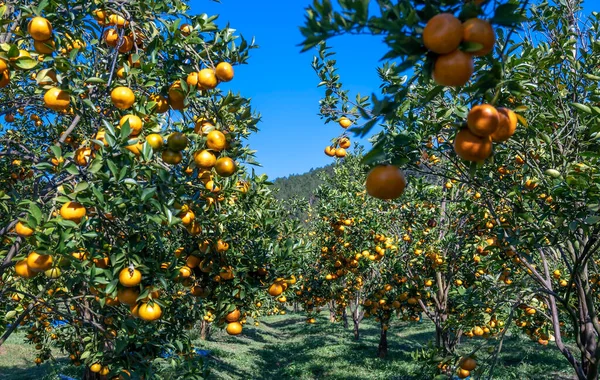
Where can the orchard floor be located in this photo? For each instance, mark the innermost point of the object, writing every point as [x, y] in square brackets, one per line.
[285, 347]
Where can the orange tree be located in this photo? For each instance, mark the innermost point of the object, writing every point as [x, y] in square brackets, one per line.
[349, 262]
[539, 186]
[128, 211]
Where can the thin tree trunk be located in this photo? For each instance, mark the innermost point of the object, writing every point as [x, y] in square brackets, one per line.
[345, 318]
[382, 349]
[332, 311]
[89, 375]
[204, 330]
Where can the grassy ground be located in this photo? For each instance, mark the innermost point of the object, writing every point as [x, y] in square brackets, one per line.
[285, 347]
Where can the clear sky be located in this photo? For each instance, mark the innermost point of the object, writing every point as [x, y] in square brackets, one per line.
[283, 85]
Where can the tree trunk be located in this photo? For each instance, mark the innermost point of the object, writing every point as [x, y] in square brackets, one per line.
[345, 318]
[89, 375]
[204, 330]
[355, 330]
[295, 307]
[332, 311]
[382, 349]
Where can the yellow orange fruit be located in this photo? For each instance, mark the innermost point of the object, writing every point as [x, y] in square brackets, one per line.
[443, 33]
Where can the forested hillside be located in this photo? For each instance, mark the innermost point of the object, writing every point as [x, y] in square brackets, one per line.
[301, 185]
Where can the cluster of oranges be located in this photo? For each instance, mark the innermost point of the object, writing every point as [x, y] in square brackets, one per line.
[338, 149]
[444, 34]
[485, 124]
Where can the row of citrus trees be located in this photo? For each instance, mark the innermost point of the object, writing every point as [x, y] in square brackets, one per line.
[129, 215]
[498, 227]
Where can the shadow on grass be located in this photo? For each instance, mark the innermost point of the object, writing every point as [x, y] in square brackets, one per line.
[47, 370]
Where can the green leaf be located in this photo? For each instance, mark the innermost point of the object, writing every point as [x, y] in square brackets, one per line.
[95, 80]
[582, 107]
[26, 63]
[592, 219]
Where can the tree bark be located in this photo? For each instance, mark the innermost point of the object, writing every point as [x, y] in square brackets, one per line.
[204, 330]
[332, 311]
[89, 375]
[382, 349]
[345, 318]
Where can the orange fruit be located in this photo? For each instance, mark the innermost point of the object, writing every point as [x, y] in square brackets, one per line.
[155, 140]
[128, 296]
[483, 120]
[385, 182]
[330, 151]
[186, 218]
[111, 37]
[125, 44]
[39, 263]
[5, 80]
[176, 96]
[203, 127]
[39, 29]
[344, 142]
[171, 157]
[470, 147]
[57, 99]
[23, 230]
[72, 211]
[454, 69]
[224, 72]
[162, 104]
[507, 125]
[3, 66]
[82, 156]
[95, 368]
[117, 20]
[186, 29]
[212, 186]
[225, 166]
[344, 122]
[462, 373]
[192, 79]
[135, 146]
[468, 363]
[130, 278]
[216, 141]
[23, 270]
[149, 312]
[135, 124]
[205, 159]
[275, 290]
[443, 33]
[479, 31]
[177, 141]
[340, 152]
[234, 316]
[234, 328]
[122, 97]
[207, 79]
[44, 47]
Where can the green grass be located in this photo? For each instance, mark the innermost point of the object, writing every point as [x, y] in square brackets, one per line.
[285, 347]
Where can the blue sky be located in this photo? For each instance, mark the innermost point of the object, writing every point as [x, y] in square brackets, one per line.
[282, 83]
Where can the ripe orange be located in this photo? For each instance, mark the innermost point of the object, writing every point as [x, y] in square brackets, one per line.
[56, 99]
[135, 146]
[111, 37]
[340, 152]
[225, 166]
[216, 141]
[202, 127]
[192, 79]
[224, 71]
[207, 79]
[177, 141]
[454, 69]
[162, 104]
[330, 151]
[171, 157]
[176, 96]
[212, 186]
[149, 312]
[130, 278]
[5, 80]
[234, 328]
[481, 32]
[128, 296]
[23, 230]
[507, 125]
[234, 316]
[468, 363]
[23, 270]
[186, 218]
[122, 97]
[344, 122]
[462, 373]
[483, 120]
[472, 148]
[39, 263]
[275, 289]
[117, 20]
[155, 140]
[72, 211]
[82, 156]
[205, 159]
[443, 33]
[3, 66]
[39, 29]
[125, 44]
[385, 182]
[44, 47]
[95, 367]
[186, 29]
[344, 142]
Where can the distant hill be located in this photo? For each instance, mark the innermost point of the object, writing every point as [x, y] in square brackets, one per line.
[301, 185]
